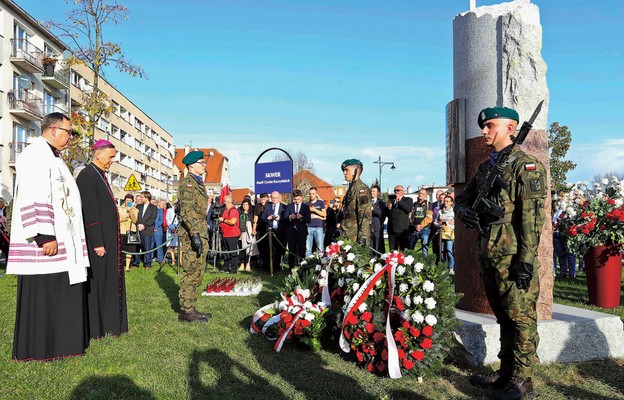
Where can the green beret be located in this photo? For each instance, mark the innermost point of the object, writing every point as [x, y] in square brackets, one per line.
[495, 113]
[192, 157]
[351, 161]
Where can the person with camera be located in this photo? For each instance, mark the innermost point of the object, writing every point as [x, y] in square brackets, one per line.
[192, 235]
[420, 222]
[128, 215]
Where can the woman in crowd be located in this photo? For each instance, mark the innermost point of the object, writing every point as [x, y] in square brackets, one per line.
[445, 223]
[171, 220]
[247, 238]
[128, 214]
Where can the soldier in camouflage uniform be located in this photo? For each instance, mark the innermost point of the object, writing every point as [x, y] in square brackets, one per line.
[356, 203]
[508, 253]
[193, 206]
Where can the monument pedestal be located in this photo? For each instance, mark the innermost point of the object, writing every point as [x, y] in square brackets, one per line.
[572, 335]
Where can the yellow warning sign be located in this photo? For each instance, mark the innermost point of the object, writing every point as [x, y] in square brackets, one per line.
[132, 184]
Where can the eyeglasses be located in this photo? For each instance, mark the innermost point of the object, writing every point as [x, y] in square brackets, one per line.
[69, 131]
[398, 190]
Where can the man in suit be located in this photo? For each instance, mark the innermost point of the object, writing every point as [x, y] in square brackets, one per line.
[298, 216]
[379, 210]
[145, 223]
[274, 216]
[398, 219]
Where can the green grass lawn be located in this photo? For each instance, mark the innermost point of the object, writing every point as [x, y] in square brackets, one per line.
[161, 358]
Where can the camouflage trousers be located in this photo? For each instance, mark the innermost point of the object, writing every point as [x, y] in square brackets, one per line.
[350, 229]
[194, 268]
[515, 312]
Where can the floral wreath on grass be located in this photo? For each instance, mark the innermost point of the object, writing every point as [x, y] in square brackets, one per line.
[402, 296]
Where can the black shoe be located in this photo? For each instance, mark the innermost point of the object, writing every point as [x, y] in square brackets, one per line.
[495, 380]
[192, 315]
[205, 316]
[516, 388]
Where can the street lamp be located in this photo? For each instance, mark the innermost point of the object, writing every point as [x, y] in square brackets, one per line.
[381, 164]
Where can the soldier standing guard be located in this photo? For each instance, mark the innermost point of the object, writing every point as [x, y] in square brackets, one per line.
[356, 208]
[193, 206]
[507, 247]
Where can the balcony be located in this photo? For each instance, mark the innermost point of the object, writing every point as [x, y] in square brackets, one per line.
[50, 108]
[16, 149]
[58, 79]
[26, 56]
[25, 105]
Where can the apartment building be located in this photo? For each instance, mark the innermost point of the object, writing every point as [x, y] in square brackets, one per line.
[144, 148]
[34, 81]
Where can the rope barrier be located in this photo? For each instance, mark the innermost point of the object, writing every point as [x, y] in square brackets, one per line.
[239, 250]
[284, 247]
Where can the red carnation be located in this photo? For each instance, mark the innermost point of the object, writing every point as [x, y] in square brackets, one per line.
[381, 366]
[370, 328]
[414, 332]
[346, 334]
[287, 318]
[584, 214]
[408, 364]
[611, 201]
[401, 354]
[384, 354]
[406, 325]
[358, 334]
[399, 303]
[417, 355]
[304, 323]
[367, 316]
[360, 356]
[399, 335]
[378, 336]
[370, 367]
[427, 330]
[426, 343]
[353, 319]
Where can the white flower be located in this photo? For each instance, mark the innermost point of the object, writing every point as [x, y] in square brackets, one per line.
[407, 301]
[320, 305]
[378, 267]
[418, 300]
[415, 281]
[340, 243]
[378, 283]
[304, 262]
[418, 267]
[343, 269]
[350, 257]
[347, 299]
[347, 248]
[323, 273]
[372, 261]
[403, 287]
[417, 317]
[362, 307]
[384, 256]
[430, 303]
[340, 260]
[318, 267]
[409, 260]
[428, 286]
[351, 268]
[348, 280]
[309, 316]
[618, 202]
[360, 272]
[322, 281]
[341, 282]
[306, 293]
[431, 320]
[605, 181]
[283, 305]
[400, 270]
[307, 304]
[355, 287]
[571, 212]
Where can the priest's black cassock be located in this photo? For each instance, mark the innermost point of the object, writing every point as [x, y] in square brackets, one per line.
[106, 287]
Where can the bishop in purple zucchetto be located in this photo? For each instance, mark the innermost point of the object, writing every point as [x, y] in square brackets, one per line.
[103, 143]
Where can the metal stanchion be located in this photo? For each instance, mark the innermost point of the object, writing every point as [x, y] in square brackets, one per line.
[271, 250]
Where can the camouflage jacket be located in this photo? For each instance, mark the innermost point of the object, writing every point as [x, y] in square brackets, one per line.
[357, 211]
[518, 232]
[193, 205]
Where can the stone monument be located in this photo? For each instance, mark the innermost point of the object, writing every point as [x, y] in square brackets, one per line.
[497, 62]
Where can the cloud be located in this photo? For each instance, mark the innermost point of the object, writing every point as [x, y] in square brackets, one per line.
[596, 158]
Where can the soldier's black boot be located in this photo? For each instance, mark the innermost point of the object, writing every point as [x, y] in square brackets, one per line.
[516, 388]
[192, 315]
[495, 380]
[205, 316]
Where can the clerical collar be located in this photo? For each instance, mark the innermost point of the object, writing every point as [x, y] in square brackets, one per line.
[54, 150]
[100, 170]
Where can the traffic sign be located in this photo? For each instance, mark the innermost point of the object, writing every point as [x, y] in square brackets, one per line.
[132, 184]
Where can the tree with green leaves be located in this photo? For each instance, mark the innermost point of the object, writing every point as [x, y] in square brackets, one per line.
[84, 31]
[559, 138]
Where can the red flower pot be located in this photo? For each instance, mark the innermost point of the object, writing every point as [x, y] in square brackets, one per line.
[603, 266]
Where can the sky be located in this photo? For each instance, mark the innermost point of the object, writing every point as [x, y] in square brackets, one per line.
[350, 79]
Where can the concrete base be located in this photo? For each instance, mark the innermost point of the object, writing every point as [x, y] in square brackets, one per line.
[573, 335]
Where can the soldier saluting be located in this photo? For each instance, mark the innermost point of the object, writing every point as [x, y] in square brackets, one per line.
[356, 204]
[193, 206]
[510, 224]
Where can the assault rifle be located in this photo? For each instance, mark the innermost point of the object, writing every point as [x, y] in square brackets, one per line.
[493, 179]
